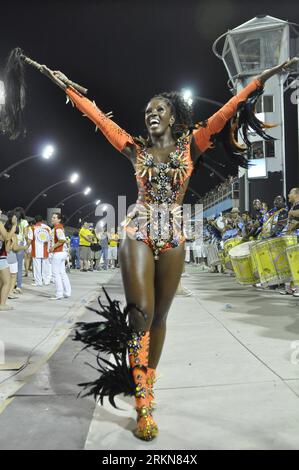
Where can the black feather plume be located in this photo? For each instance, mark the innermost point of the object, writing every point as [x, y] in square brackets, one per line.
[245, 120]
[114, 379]
[12, 121]
[108, 337]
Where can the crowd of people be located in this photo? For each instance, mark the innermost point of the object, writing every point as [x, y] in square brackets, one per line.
[49, 253]
[222, 188]
[91, 250]
[261, 223]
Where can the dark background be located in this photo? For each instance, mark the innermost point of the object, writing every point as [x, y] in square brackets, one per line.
[123, 52]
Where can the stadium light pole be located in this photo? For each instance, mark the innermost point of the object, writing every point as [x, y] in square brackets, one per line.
[46, 154]
[80, 208]
[72, 179]
[85, 192]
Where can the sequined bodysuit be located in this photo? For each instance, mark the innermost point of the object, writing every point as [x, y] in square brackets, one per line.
[157, 216]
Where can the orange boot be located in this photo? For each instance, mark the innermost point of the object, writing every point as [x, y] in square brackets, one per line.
[138, 348]
[150, 380]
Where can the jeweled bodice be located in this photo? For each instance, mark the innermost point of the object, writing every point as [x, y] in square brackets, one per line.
[161, 183]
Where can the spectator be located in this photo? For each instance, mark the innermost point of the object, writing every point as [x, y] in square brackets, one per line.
[60, 254]
[85, 236]
[23, 228]
[112, 248]
[75, 256]
[95, 248]
[5, 237]
[27, 254]
[103, 237]
[12, 247]
[39, 235]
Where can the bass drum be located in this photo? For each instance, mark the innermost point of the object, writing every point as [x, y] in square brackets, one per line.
[227, 246]
[293, 259]
[213, 258]
[242, 263]
[271, 260]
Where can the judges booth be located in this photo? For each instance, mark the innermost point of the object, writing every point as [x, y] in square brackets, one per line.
[247, 50]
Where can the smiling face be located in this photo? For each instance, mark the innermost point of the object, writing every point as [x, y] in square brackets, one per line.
[158, 116]
[279, 202]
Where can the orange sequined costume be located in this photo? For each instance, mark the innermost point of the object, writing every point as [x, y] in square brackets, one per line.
[157, 217]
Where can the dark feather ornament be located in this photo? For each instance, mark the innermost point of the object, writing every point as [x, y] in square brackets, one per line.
[114, 379]
[243, 121]
[108, 337]
[12, 121]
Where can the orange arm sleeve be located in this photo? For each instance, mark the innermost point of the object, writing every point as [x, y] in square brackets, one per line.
[217, 122]
[116, 136]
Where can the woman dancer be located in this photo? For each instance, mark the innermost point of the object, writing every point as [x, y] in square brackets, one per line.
[152, 263]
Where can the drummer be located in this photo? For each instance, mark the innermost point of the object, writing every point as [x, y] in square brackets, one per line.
[247, 224]
[293, 220]
[260, 216]
[233, 225]
[277, 219]
[292, 227]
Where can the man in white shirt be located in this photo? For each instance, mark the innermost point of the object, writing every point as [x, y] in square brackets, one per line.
[60, 254]
[39, 235]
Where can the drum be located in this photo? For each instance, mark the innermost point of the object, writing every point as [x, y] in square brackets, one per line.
[242, 263]
[227, 246]
[289, 240]
[212, 255]
[230, 243]
[293, 259]
[254, 261]
[271, 260]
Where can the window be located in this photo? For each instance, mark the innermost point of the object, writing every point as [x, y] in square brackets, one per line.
[269, 148]
[265, 104]
[257, 149]
[268, 103]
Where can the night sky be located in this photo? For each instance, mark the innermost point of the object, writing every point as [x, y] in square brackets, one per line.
[123, 52]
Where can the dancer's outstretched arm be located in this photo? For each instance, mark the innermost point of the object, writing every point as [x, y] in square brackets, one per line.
[118, 137]
[218, 120]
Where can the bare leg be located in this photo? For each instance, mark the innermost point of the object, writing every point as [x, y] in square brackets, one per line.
[5, 282]
[13, 280]
[138, 270]
[138, 273]
[168, 272]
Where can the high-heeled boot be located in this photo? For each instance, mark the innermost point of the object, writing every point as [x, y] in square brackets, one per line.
[150, 380]
[138, 349]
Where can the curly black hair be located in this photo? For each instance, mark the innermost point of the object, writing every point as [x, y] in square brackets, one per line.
[182, 112]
